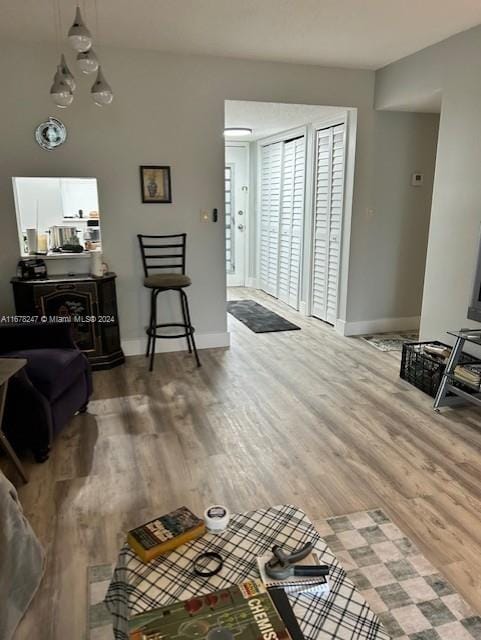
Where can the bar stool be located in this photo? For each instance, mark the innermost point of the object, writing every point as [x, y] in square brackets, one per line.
[168, 253]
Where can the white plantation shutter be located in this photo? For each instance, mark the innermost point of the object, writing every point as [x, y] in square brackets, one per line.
[291, 221]
[270, 200]
[328, 205]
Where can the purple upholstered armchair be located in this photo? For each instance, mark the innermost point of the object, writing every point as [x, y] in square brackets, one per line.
[53, 386]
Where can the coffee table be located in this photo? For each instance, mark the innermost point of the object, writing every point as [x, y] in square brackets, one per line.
[137, 587]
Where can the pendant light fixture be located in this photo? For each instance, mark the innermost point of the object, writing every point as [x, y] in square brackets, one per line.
[87, 61]
[79, 36]
[101, 91]
[60, 92]
[68, 77]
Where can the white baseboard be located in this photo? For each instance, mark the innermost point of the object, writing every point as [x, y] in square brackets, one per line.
[137, 346]
[302, 308]
[252, 283]
[380, 325]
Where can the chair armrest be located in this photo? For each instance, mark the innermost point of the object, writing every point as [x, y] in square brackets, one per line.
[35, 336]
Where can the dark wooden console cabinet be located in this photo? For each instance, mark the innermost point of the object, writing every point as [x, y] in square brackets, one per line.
[90, 303]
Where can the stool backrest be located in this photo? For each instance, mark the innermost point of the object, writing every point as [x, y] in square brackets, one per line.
[163, 252]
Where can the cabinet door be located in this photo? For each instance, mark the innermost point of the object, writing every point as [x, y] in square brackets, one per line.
[270, 201]
[291, 220]
[74, 300]
[328, 208]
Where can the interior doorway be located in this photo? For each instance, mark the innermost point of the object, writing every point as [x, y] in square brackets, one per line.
[284, 201]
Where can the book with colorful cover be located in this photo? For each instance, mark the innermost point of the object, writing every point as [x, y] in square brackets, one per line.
[244, 612]
[165, 533]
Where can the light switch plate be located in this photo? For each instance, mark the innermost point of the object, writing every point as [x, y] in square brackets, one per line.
[417, 179]
[204, 215]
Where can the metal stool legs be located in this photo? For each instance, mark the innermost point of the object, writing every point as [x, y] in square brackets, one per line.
[149, 340]
[153, 327]
[188, 329]
[189, 325]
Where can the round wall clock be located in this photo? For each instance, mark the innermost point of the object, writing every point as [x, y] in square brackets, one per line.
[51, 134]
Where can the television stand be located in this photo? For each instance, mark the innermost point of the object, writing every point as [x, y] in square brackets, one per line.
[443, 397]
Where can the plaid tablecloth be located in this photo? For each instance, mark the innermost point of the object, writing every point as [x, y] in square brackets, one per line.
[343, 615]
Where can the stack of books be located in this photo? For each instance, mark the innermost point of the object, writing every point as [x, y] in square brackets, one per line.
[469, 374]
[165, 533]
[245, 612]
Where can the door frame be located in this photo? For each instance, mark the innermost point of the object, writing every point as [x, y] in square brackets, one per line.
[283, 136]
[247, 249]
[349, 119]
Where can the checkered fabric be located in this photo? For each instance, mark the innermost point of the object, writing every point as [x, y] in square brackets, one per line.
[413, 601]
[343, 615]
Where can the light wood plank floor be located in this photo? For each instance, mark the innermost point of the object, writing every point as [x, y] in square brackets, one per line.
[305, 417]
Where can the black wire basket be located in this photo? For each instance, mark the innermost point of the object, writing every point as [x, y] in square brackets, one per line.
[425, 371]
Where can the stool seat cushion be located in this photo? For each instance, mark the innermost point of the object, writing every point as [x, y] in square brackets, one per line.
[167, 280]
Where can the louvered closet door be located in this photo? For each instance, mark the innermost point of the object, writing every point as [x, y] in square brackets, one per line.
[291, 220]
[270, 200]
[329, 192]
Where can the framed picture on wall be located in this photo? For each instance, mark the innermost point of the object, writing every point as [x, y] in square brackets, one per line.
[155, 184]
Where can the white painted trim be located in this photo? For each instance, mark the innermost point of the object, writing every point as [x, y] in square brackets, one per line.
[380, 325]
[303, 308]
[282, 136]
[137, 346]
[252, 283]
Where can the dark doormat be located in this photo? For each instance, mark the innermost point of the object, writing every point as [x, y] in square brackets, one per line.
[258, 318]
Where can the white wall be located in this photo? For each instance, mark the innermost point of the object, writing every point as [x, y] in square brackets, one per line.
[453, 66]
[40, 195]
[168, 110]
[399, 220]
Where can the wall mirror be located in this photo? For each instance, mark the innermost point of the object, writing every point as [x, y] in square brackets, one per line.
[57, 217]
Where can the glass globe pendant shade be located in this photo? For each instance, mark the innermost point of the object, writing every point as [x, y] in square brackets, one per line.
[79, 36]
[67, 75]
[60, 93]
[101, 91]
[87, 61]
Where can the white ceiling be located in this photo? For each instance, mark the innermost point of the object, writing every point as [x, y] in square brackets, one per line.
[268, 118]
[351, 33]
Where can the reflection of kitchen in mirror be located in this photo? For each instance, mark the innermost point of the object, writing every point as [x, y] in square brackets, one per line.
[57, 216]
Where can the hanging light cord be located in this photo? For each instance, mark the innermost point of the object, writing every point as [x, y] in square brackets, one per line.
[56, 26]
[59, 17]
[96, 20]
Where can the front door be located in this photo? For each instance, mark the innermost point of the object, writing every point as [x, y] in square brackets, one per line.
[236, 202]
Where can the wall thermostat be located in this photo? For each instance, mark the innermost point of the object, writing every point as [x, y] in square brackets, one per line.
[417, 179]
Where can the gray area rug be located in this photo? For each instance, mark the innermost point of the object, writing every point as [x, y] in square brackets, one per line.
[258, 318]
[391, 341]
[412, 599]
